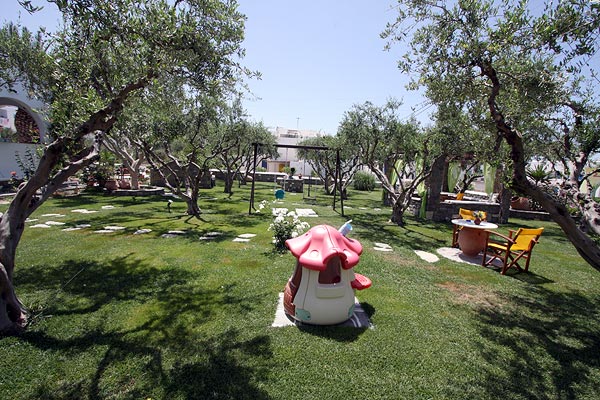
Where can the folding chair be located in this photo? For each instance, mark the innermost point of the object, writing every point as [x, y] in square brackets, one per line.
[464, 214]
[512, 248]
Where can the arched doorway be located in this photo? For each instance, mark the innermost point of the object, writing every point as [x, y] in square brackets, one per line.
[27, 128]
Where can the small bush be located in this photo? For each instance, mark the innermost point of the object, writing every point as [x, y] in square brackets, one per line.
[364, 181]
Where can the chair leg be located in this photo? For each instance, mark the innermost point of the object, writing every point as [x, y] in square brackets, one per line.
[455, 231]
[527, 262]
[505, 264]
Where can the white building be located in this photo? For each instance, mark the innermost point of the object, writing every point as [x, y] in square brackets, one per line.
[20, 143]
[289, 157]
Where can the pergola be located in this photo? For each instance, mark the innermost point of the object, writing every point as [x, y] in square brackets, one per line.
[338, 178]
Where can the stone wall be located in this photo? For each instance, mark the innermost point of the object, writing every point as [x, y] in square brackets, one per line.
[448, 210]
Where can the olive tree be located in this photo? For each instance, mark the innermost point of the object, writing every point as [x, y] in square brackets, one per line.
[398, 153]
[238, 136]
[104, 53]
[518, 67]
[324, 162]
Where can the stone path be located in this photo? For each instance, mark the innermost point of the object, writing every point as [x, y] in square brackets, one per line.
[301, 212]
[110, 229]
[40, 226]
[359, 319]
[54, 223]
[455, 254]
[244, 237]
[84, 211]
[210, 236]
[172, 234]
[306, 212]
[426, 256]
[382, 247]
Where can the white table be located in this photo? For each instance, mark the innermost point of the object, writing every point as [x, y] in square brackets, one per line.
[472, 237]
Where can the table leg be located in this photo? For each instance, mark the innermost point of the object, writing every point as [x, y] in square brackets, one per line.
[472, 241]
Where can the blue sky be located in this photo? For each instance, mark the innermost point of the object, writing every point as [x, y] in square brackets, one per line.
[317, 58]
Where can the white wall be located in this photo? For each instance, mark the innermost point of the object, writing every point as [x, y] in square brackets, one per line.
[8, 159]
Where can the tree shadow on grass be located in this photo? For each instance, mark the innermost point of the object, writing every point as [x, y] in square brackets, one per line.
[379, 230]
[142, 327]
[338, 332]
[344, 334]
[549, 345]
[221, 367]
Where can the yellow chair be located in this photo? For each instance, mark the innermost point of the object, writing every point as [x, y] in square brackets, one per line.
[512, 248]
[464, 214]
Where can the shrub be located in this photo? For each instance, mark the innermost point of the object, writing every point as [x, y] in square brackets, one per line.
[286, 225]
[364, 181]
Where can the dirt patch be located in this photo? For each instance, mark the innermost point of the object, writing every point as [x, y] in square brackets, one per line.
[470, 294]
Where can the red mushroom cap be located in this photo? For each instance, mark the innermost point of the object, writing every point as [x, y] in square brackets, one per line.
[316, 247]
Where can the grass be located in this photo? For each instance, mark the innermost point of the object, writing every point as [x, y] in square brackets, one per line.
[123, 316]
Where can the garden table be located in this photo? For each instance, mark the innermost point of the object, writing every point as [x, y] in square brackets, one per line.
[472, 237]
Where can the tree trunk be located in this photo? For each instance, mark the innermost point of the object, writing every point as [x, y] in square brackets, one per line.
[504, 198]
[584, 245]
[191, 199]
[229, 178]
[135, 179]
[434, 187]
[397, 214]
[193, 209]
[13, 315]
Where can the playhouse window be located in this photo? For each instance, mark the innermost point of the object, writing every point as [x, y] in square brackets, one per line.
[332, 273]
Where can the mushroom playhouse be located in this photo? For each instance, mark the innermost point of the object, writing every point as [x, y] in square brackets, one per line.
[321, 290]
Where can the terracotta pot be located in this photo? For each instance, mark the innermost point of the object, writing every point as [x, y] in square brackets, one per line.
[111, 184]
[520, 203]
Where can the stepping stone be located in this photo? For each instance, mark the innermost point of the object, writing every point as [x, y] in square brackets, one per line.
[71, 229]
[455, 254]
[31, 220]
[83, 226]
[306, 212]
[104, 231]
[382, 249]
[247, 235]
[54, 223]
[83, 211]
[426, 256]
[362, 208]
[142, 231]
[377, 209]
[40, 226]
[53, 215]
[114, 228]
[108, 207]
[241, 240]
[210, 235]
[172, 234]
[382, 245]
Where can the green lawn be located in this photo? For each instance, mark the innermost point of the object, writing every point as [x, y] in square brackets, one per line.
[124, 316]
